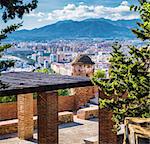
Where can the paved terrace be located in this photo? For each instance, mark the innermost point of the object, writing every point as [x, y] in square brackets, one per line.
[71, 133]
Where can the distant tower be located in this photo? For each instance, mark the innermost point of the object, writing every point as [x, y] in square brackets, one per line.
[83, 66]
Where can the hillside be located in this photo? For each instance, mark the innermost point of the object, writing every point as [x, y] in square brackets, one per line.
[90, 28]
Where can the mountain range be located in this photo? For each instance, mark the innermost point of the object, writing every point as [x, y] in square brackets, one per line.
[68, 29]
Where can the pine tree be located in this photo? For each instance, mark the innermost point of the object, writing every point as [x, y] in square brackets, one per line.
[129, 74]
[100, 74]
[143, 30]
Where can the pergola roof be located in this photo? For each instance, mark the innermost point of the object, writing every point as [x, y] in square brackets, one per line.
[30, 82]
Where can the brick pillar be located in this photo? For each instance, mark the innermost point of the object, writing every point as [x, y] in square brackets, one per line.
[25, 116]
[47, 108]
[106, 135]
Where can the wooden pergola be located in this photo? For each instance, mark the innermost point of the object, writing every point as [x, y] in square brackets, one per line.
[24, 84]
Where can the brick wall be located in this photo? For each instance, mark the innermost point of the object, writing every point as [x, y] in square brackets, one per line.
[66, 103]
[83, 95]
[9, 110]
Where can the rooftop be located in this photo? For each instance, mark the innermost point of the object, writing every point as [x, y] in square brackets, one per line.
[83, 59]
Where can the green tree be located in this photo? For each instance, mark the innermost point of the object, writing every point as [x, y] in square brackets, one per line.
[143, 30]
[129, 74]
[100, 74]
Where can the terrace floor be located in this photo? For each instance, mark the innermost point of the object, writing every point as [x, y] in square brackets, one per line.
[71, 133]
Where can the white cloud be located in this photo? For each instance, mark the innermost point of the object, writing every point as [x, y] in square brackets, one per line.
[83, 11]
[124, 3]
[34, 14]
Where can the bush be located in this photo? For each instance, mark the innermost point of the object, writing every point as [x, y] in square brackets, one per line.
[7, 99]
[63, 92]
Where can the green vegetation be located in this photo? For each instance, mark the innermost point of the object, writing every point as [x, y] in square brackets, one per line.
[143, 30]
[63, 92]
[45, 70]
[100, 74]
[7, 99]
[129, 74]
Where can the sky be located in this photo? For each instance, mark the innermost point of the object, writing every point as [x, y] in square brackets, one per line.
[51, 11]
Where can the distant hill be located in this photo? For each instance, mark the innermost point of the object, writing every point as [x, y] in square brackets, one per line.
[90, 28]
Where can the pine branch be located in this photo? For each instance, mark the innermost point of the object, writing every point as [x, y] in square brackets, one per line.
[9, 30]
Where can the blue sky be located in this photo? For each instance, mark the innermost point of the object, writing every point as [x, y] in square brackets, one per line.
[51, 11]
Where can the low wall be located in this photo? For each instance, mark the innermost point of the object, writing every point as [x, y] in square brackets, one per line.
[11, 126]
[9, 110]
[66, 103]
[84, 94]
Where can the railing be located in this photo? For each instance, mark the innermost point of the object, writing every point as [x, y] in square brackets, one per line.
[23, 84]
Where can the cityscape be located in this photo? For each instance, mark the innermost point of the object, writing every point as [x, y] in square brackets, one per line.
[74, 72]
[59, 54]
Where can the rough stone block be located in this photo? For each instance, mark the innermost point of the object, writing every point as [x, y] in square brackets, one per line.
[65, 117]
[88, 113]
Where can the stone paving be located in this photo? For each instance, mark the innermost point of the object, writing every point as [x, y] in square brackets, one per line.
[71, 133]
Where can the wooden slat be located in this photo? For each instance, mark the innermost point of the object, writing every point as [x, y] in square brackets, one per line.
[29, 82]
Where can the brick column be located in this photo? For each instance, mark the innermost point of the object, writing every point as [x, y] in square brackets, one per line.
[47, 106]
[106, 135]
[25, 116]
